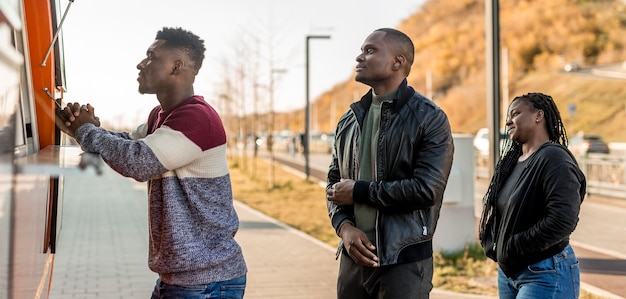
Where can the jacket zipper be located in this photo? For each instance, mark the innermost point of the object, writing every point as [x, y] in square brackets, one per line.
[377, 222]
[424, 227]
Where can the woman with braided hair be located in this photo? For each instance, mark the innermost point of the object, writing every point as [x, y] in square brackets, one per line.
[532, 205]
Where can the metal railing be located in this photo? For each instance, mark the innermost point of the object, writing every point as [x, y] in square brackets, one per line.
[605, 173]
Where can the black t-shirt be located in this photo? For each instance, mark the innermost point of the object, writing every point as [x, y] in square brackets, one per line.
[505, 192]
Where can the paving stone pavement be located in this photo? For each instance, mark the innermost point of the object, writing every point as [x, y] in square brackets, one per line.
[102, 250]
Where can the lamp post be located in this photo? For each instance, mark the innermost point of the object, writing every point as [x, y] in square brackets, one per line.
[307, 114]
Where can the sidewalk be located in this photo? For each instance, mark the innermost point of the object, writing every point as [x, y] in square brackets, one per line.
[102, 251]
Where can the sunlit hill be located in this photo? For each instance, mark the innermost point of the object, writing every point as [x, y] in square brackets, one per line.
[540, 38]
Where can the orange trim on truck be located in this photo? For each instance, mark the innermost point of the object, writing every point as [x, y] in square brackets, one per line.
[38, 19]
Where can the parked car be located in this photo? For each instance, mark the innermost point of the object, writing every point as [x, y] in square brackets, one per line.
[481, 141]
[582, 144]
[571, 67]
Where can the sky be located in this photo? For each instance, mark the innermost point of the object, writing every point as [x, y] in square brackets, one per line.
[105, 40]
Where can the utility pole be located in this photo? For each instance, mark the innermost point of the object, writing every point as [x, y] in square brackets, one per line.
[492, 30]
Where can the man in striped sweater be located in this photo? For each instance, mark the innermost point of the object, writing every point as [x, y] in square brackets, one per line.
[181, 153]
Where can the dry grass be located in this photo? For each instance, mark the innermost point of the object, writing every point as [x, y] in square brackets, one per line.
[301, 204]
[293, 200]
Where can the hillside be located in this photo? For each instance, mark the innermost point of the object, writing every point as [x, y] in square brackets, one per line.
[539, 37]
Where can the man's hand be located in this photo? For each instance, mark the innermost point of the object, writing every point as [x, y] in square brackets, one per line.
[75, 115]
[341, 193]
[357, 245]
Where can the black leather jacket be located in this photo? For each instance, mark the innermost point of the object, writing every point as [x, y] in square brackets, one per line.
[413, 161]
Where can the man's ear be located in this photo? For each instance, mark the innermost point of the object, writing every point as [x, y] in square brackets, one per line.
[398, 62]
[177, 67]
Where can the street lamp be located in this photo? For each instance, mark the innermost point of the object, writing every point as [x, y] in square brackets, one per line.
[307, 114]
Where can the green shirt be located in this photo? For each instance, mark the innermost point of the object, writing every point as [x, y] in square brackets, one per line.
[365, 215]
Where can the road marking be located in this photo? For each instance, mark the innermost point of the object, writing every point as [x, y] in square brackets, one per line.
[608, 252]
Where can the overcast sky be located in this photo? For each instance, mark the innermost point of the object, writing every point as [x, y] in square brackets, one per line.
[104, 41]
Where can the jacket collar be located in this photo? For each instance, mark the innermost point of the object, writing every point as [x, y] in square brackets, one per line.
[405, 92]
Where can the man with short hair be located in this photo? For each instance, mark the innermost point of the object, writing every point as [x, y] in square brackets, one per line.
[181, 153]
[393, 155]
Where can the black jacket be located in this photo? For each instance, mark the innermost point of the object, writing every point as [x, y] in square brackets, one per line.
[413, 161]
[542, 212]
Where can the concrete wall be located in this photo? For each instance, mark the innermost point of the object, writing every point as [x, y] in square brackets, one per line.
[456, 226]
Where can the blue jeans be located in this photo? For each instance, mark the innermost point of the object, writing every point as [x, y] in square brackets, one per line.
[230, 289]
[557, 277]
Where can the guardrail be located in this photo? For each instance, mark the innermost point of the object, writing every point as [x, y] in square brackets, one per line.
[605, 173]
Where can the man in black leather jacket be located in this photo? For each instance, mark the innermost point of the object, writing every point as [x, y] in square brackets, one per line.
[393, 154]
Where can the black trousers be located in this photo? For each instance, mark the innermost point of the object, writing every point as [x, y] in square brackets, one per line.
[401, 281]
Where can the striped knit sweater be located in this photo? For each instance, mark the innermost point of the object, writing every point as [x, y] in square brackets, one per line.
[181, 152]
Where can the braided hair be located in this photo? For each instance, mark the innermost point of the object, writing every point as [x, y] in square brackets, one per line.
[511, 151]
